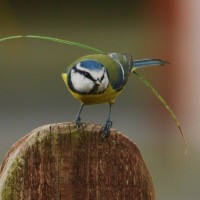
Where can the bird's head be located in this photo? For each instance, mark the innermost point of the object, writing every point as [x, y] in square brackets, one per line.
[88, 77]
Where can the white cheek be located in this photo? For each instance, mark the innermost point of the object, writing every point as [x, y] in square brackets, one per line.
[81, 83]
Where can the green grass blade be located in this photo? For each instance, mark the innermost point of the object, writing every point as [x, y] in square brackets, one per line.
[65, 42]
[165, 105]
[55, 40]
[11, 37]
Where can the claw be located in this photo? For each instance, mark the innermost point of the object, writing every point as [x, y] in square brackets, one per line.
[106, 129]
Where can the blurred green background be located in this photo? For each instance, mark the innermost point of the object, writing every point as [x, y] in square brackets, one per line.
[32, 92]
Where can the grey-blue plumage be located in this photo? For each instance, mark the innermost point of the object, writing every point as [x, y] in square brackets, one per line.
[148, 62]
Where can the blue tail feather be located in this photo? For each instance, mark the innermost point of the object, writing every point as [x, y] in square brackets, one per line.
[148, 62]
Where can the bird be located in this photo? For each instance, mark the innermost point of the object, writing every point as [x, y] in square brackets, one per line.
[117, 68]
[100, 78]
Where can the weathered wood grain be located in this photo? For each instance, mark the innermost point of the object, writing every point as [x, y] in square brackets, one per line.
[59, 162]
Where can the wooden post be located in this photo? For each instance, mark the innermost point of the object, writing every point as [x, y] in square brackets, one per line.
[59, 162]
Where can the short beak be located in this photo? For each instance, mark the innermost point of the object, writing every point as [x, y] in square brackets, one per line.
[98, 82]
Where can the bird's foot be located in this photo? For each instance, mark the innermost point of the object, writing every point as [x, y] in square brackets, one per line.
[106, 129]
[78, 122]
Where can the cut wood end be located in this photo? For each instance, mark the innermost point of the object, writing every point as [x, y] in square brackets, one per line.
[57, 161]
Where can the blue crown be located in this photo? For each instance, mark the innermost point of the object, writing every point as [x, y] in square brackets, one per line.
[91, 65]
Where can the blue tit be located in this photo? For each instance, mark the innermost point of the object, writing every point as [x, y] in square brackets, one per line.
[100, 78]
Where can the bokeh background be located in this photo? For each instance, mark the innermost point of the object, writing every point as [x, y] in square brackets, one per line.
[32, 92]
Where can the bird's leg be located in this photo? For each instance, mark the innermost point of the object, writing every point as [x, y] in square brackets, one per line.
[108, 124]
[78, 118]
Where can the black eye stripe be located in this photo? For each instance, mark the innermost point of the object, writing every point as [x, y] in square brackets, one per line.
[102, 77]
[84, 73]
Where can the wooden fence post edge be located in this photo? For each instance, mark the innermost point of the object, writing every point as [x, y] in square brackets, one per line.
[58, 162]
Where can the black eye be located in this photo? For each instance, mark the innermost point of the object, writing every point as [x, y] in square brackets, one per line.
[85, 74]
[102, 77]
